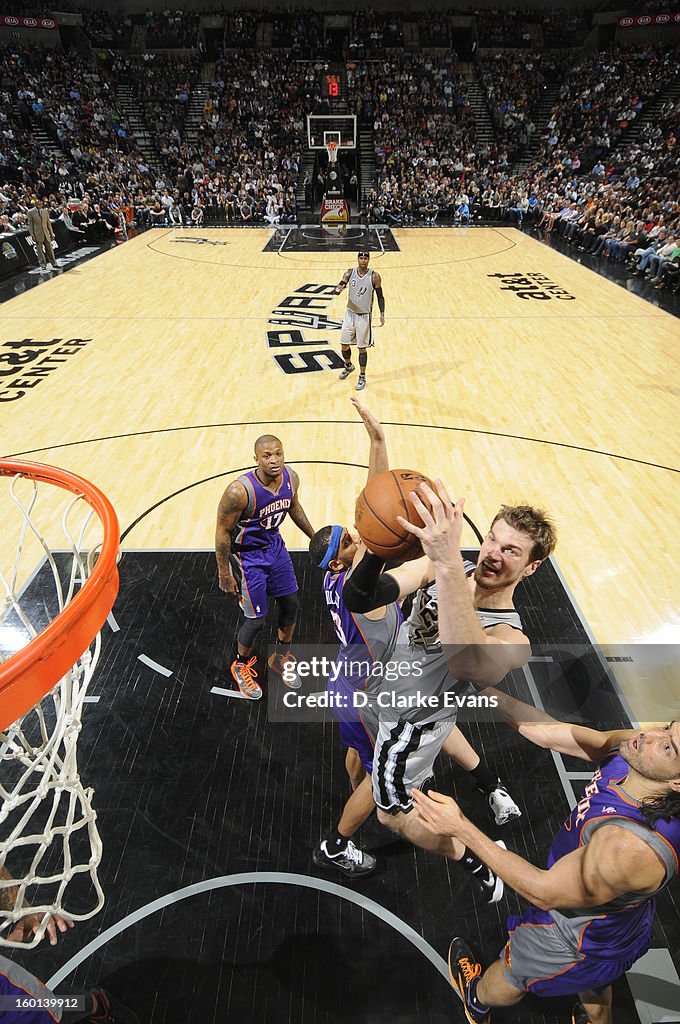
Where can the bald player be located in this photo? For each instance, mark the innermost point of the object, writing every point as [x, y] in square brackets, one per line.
[252, 560]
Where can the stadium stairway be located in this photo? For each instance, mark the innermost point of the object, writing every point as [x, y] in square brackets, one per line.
[46, 141]
[138, 40]
[132, 113]
[484, 128]
[540, 118]
[199, 95]
[367, 175]
[303, 201]
[670, 90]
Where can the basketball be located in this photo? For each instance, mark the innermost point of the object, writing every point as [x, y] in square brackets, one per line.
[383, 499]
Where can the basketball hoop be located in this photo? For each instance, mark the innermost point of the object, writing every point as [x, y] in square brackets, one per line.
[49, 647]
[332, 148]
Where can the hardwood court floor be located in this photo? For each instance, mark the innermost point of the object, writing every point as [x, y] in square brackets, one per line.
[567, 402]
[571, 402]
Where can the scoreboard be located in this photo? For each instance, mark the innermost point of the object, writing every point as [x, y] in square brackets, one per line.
[332, 84]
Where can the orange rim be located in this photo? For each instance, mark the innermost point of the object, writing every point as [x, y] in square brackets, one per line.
[29, 674]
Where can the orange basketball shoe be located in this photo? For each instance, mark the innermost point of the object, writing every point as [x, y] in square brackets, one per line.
[246, 678]
[284, 666]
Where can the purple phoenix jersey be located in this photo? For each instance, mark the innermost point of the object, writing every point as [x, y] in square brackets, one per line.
[260, 520]
[627, 919]
[363, 642]
[259, 559]
[603, 941]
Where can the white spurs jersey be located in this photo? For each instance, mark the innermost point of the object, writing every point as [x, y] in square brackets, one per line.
[421, 630]
[360, 292]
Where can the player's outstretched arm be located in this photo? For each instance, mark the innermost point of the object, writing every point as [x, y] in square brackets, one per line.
[297, 513]
[482, 656]
[367, 587]
[614, 862]
[232, 504]
[378, 461]
[562, 737]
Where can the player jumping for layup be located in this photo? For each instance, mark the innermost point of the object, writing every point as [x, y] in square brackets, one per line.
[591, 909]
[252, 560]
[356, 327]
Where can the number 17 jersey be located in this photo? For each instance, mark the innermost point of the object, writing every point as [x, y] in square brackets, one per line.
[258, 525]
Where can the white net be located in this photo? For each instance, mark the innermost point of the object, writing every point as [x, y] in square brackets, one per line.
[50, 847]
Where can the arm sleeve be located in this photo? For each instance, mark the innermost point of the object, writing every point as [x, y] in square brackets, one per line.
[368, 587]
[381, 299]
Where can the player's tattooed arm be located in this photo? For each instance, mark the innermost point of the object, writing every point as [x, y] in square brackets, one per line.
[378, 461]
[229, 510]
[377, 285]
[342, 284]
[297, 513]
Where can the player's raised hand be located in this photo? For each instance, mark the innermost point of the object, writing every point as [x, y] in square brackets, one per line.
[442, 522]
[371, 422]
[439, 814]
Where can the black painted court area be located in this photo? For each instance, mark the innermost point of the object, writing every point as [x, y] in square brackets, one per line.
[193, 787]
[337, 238]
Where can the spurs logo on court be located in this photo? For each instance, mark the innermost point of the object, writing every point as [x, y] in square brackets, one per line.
[532, 286]
[315, 321]
[293, 312]
[199, 241]
[23, 364]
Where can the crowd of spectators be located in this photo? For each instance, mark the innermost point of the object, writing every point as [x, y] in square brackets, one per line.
[424, 131]
[73, 102]
[515, 84]
[161, 85]
[240, 29]
[246, 156]
[559, 28]
[242, 166]
[433, 28]
[601, 96]
[632, 187]
[512, 29]
[176, 30]
[375, 31]
[300, 31]
[564, 28]
[105, 29]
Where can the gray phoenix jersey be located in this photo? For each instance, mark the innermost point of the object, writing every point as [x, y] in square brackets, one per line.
[360, 292]
[417, 694]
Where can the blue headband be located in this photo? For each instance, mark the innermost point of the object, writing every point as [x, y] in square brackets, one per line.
[333, 546]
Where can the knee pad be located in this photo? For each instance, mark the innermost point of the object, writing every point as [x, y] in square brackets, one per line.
[248, 631]
[288, 610]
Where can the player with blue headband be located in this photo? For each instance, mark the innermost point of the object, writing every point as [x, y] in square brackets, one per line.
[366, 639]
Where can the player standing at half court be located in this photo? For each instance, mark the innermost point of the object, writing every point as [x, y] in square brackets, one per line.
[361, 283]
[252, 560]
